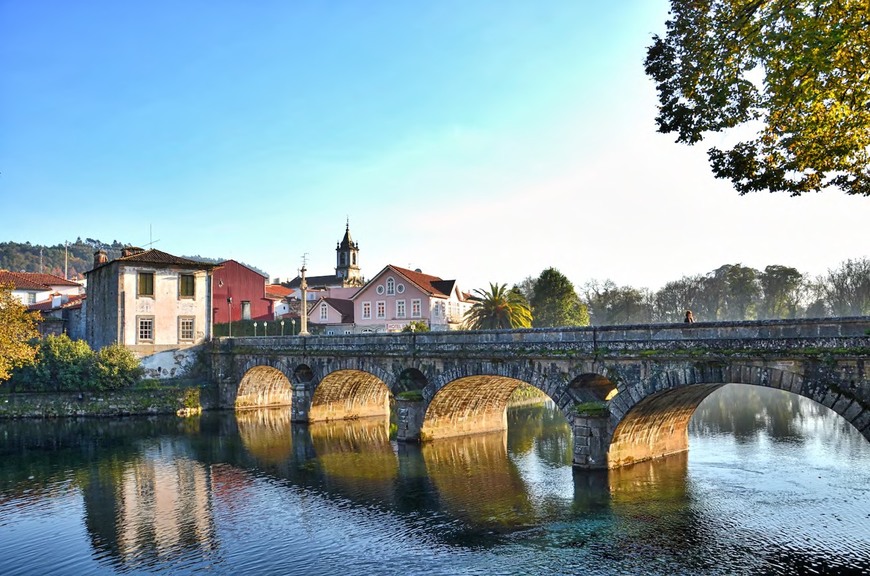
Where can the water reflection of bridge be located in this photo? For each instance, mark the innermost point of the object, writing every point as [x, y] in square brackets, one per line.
[628, 393]
[473, 478]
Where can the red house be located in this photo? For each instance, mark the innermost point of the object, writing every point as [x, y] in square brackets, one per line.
[239, 293]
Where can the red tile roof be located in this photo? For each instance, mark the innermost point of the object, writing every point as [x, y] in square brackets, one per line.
[33, 280]
[277, 291]
[74, 301]
[434, 285]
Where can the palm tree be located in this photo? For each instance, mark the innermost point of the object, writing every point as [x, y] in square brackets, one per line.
[498, 308]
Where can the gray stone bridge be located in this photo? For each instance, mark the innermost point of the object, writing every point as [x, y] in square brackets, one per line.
[627, 391]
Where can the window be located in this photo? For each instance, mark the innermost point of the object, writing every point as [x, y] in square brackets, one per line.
[324, 311]
[436, 310]
[185, 328]
[246, 310]
[415, 308]
[348, 332]
[330, 332]
[367, 310]
[145, 283]
[381, 309]
[186, 284]
[400, 288]
[31, 297]
[145, 329]
[391, 286]
[380, 289]
[400, 308]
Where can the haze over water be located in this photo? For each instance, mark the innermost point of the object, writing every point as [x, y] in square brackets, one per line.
[773, 483]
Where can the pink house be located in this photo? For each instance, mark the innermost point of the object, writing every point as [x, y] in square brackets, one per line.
[396, 296]
[334, 315]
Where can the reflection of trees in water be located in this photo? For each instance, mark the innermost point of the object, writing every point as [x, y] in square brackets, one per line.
[744, 411]
[542, 428]
[265, 432]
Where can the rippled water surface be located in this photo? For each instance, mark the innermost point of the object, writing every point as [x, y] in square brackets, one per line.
[772, 484]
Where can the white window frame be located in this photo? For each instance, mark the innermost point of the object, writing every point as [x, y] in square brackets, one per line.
[400, 309]
[366, 310]
[391, 287]
[181, 321]
[416, 308]
[324, 311]
[381, 309]
[141, 321]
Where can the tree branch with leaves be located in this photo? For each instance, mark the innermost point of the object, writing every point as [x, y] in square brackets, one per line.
[799, 70]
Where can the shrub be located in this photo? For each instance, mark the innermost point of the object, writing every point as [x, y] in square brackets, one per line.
[116, 367]
[66, 365]
[62, 365]
[592, 409]
[411, 395]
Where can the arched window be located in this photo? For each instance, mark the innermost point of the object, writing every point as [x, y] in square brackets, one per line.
[324, 311]
[391, 286]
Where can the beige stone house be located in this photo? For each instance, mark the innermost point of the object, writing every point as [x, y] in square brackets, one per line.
[148, 301]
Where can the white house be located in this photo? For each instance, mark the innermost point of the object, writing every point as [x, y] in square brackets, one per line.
[32, 288]
[148, 301]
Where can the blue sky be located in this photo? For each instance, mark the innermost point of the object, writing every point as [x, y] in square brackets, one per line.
[476, 140]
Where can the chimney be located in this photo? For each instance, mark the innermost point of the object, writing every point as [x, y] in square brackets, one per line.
[130, 251]
[100, 258]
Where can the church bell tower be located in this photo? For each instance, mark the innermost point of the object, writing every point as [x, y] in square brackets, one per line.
[347, 260]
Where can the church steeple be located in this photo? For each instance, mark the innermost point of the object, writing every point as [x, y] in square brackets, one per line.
[347, 260]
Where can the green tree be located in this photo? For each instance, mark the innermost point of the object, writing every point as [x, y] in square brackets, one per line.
[846, 289]
[499, 308]
[743, 291]
[610, 304]
[556, 303]
[17, 329]
[675, 297]
[796, 69]
[62, 365]
[416, 326]
[782, 290]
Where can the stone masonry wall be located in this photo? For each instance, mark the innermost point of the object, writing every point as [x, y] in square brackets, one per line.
[116, 403]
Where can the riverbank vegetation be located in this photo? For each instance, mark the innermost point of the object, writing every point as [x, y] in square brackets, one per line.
[61, 364]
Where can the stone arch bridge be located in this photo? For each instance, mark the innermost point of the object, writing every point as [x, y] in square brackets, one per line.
[627, 391]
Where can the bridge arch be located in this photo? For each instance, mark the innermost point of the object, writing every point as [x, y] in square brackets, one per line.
[650, 418]
[476, 402]
[264, 385]
[347, 393]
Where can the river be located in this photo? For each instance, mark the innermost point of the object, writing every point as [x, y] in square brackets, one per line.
[772, 484]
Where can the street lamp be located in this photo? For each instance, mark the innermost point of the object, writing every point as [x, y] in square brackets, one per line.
[265, 328]
[230, 314]
[293, 326]
[282, 327]
[255, 329]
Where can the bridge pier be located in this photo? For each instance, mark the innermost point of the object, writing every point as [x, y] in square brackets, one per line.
[301, 402]
[590, 442]
[409, 416]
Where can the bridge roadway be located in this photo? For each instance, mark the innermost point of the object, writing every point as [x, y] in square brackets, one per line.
[628, 392]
